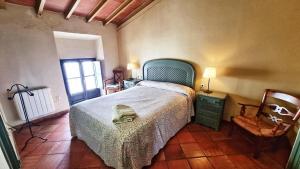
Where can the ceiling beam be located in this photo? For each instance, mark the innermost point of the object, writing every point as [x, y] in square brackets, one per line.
[2, 4]
[96, 10]
[137, 10]
[118, 11]
[72, 8]
[40, 6]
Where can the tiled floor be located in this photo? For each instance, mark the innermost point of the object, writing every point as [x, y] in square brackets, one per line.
[194, 147]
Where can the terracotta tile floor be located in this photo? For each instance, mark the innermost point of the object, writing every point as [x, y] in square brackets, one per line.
[194, 147]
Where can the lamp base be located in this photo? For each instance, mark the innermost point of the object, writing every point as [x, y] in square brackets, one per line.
[207, 91]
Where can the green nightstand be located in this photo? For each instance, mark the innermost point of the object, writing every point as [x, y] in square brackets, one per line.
[209, 108]
[128, 83]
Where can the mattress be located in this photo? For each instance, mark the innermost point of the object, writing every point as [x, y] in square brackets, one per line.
[161, 113]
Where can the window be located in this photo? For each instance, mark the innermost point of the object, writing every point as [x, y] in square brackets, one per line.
[82, 79]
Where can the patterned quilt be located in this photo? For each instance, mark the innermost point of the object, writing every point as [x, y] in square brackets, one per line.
[161, 109]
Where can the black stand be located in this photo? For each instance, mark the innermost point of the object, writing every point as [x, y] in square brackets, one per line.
[26, 125]
[11, 95]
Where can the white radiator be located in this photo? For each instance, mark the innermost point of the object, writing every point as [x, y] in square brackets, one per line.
[39, 105]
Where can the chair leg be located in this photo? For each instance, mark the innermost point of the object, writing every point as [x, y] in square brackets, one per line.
[258, 146]
[275, 144]
[232, 128]
[230, 132]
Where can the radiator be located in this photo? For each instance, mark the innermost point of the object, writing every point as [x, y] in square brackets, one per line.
[41, 104]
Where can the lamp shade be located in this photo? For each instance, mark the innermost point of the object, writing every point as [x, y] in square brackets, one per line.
[210, 72]
[131, 66]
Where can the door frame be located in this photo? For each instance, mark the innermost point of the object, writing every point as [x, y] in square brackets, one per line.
[294, 159]
[62, 61]
[7, 147]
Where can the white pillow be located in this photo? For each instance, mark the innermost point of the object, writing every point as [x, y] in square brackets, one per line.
[169, 86]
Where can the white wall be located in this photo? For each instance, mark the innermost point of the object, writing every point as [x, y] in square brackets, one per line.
[253, 44]
[28, 52]
[75, 48]
[75, 45]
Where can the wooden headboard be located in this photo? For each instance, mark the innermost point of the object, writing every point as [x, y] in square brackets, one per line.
[169, 70]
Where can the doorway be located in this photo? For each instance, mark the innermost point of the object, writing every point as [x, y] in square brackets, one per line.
[82, 78]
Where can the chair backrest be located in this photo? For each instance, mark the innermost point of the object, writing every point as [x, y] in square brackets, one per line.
[280, 108]
[118, 75]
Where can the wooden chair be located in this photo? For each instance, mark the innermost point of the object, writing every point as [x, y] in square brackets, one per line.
[116, 82]
[271, 121]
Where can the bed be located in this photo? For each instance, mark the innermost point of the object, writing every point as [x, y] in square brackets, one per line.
[163, 103]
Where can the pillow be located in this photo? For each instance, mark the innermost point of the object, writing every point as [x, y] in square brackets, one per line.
[169, 86]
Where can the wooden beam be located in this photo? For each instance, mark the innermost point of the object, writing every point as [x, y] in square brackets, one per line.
[2, 4]
[96, 10]
[72, 8]
[137, 10]
[40, 6]
[118, 11]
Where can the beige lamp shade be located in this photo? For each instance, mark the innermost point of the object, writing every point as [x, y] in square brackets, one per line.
[131, 66]
[210, 72]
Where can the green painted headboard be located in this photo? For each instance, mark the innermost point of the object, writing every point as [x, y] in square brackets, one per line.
[169, 70]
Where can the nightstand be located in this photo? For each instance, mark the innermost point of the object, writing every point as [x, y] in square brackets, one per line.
[128, 83]
[209, 108]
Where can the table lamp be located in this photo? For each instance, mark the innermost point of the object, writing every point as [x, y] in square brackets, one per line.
[209, 72]
[132, 67]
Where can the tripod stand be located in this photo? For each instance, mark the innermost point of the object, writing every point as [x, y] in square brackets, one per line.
[11, 94]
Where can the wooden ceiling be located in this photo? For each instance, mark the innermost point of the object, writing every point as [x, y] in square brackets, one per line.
[107, 11]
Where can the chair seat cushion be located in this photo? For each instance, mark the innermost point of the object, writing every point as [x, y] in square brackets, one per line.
[257, 126]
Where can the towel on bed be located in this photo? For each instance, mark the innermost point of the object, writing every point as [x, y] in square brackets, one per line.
[122, 114]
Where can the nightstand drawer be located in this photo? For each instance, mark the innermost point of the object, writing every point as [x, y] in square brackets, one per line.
[210, 114]
[210, 101]
[210, 108]
[209, 122]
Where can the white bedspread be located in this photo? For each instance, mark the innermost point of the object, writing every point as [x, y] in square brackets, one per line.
[161, 113]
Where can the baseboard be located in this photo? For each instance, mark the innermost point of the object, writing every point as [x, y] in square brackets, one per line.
[50, 116]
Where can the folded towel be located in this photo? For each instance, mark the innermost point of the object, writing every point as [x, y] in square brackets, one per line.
[124, 120]
[123, 114]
